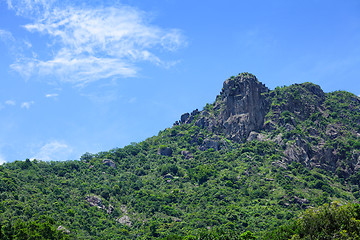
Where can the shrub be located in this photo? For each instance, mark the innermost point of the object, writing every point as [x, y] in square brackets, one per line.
[330, 221]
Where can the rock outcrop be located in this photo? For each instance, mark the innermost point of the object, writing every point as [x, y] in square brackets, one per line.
[63, 229]
[125, 220]
[242, 106]
[187, 154]
[239, 109]
[95, 201]
[109, 163]
[214, 142]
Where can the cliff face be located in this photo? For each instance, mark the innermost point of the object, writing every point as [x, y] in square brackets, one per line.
[241, 107]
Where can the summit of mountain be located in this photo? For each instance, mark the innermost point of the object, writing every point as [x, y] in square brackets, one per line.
[240, 108]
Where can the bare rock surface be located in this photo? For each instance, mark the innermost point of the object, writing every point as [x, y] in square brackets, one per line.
[125, 220]
[109, 163]
[63, 229]
[95, 201]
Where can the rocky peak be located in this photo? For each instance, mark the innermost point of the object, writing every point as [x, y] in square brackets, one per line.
[242, 106]
[239, 109]
[241, 85]
[243, 95]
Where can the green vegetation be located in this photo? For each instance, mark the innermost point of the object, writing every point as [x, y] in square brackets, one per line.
[330, 221]
[190, 182]
[41, 229]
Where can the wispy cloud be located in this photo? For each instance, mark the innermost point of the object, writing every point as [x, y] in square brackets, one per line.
[27, 105]
[10, 102]
[8, 39]
[93, 43]
[2, 160]
[51, 95]
[27, 44]
[132, 100]
[102, 96]
[6, 36]
[54, 150]
[29, 8]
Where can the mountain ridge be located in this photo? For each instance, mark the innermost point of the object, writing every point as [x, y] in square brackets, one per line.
[251, 161]
[246, 107]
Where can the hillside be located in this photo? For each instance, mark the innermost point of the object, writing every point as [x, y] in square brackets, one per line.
[251, 161]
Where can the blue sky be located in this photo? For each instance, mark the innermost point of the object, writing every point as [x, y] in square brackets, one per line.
[89, 76]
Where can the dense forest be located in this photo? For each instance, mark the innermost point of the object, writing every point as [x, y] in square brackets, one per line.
[255, 164]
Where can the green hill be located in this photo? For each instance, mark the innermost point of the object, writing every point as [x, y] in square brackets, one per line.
[251, 161]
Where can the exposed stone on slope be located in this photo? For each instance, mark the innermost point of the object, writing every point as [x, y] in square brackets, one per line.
[256, 136]
[175, 219]
[95, 201]
[301, 201]
[109, 163]
[187, 117]
[168, 176]
[333, 130]
[63, 229]
[184, 117]
[297, 151]
[125, 220]
[357, 165]
[279, 164]
[214, 142]
[187, 154]
[325, 158]
[123, 209]
[110, 209]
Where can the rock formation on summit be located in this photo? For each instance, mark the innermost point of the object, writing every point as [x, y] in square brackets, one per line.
[239, 109]
[242, 106]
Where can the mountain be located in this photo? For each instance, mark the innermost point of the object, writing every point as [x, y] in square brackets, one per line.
[316, 129]
[248, 163]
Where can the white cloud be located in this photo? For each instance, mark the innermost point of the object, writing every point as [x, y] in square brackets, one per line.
[8, 39]
[6, 36]
[2, 160]
[51, 95]
[54, 150]
[10, 102]
[27, 104]
[27, 44]
[92, 43]
[28, 8]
